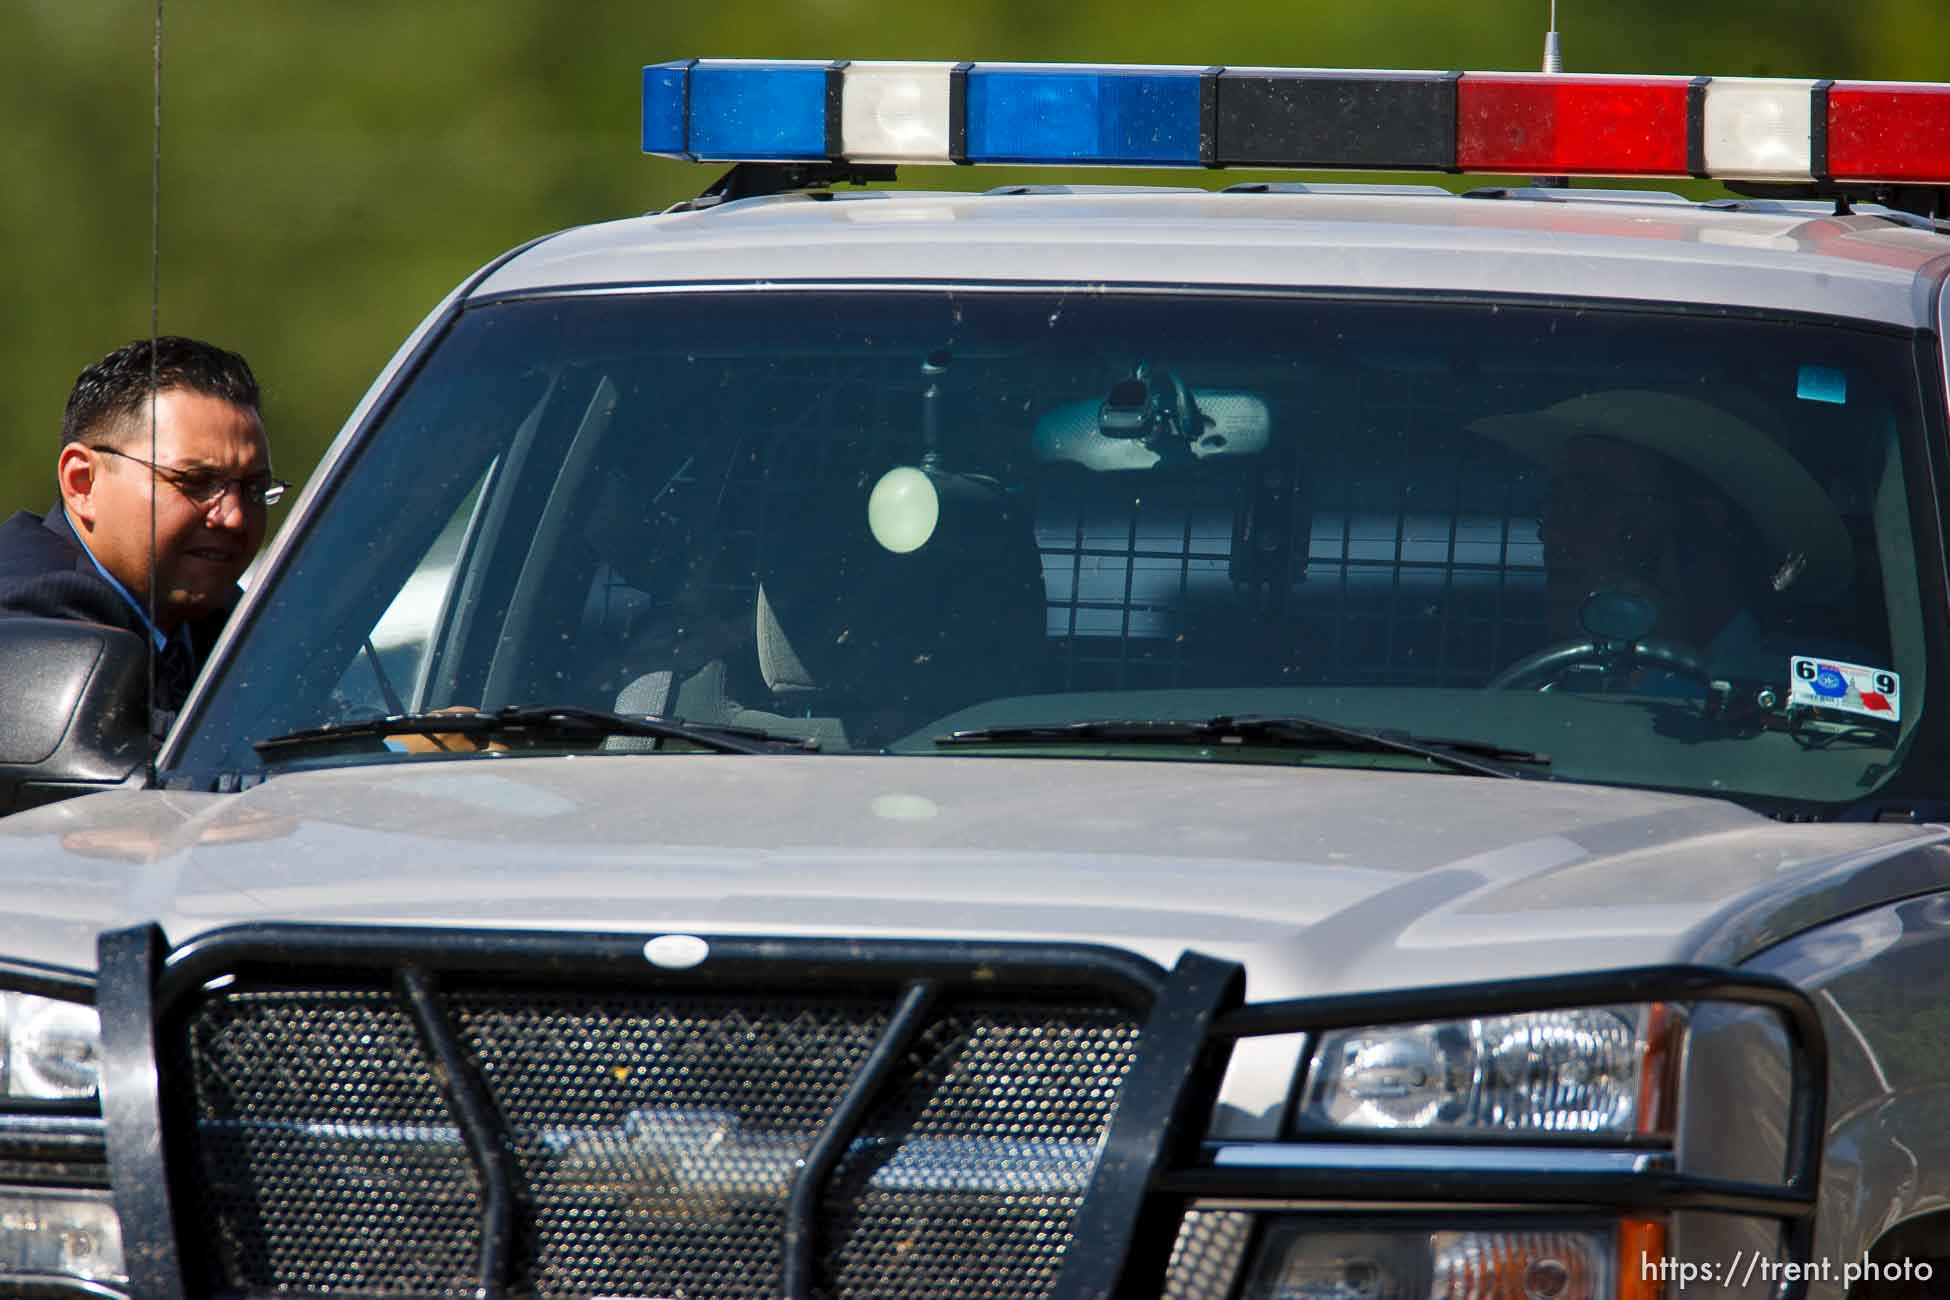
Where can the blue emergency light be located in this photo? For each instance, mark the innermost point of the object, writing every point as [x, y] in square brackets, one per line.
[1772, 129]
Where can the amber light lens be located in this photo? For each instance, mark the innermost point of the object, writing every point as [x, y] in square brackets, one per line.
[1523, 1266]
[1641, 1252]
[1663, 1036]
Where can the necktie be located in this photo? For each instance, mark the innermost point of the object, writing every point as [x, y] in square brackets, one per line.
[175, 672]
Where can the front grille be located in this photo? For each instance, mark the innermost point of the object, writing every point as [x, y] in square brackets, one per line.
[511, 1115]
[655, 1138]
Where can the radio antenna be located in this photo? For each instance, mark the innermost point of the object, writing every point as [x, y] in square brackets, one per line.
[155, 328]
[1553, 64]
[1553, 54]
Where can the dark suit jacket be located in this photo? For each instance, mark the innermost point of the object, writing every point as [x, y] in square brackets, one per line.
[45, 573]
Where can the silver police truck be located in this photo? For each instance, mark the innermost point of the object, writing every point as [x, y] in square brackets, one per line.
[1293, 742]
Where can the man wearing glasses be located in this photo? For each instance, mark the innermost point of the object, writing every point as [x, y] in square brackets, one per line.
[208, 479]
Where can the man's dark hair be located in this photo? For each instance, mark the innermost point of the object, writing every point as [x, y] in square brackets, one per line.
[110, 395]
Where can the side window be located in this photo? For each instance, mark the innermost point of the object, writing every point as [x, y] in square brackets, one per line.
[387, 675]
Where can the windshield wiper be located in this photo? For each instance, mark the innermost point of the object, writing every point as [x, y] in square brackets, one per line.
[1482, 758]
[536, 724]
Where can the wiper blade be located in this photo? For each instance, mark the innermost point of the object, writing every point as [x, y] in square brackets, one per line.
[1482, 758]
[517, 722]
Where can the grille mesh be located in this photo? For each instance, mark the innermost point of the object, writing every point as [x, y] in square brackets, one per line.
[1207, 1257]
[655, 1139]
[328, 1158]
[973, 1171]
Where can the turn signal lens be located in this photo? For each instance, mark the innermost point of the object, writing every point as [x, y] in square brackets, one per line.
[1522, 1266]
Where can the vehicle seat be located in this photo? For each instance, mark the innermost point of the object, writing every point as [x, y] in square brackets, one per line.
[845, 627]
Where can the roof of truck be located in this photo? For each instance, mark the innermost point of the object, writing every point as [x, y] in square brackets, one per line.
[1767, 255]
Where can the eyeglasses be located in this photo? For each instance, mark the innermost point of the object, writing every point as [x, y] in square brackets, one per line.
[205, 487]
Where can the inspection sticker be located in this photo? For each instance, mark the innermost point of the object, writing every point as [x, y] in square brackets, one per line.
[1848, 688]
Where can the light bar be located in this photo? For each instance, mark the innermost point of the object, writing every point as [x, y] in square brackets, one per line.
[1734, 128]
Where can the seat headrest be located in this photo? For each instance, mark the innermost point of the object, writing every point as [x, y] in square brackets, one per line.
[959, 619]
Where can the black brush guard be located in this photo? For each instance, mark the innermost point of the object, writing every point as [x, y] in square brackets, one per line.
[1151, 1161]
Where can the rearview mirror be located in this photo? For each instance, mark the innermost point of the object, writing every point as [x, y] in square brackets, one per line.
[73, 709]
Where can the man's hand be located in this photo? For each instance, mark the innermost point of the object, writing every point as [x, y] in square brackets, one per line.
[446, 742]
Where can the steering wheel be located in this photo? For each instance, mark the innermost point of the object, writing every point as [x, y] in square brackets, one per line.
[1538, 670]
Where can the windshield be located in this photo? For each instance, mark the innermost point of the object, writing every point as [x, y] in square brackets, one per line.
[1663, 549]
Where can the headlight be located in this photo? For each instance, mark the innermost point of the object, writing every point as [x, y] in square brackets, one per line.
[1320, 1259]
[63, 1233]
[1606, 1071]
[50, 1050]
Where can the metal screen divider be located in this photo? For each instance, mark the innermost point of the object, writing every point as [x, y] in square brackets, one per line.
[1341, 596]
[1388, 664]
[1177, 627]
[823, 1157]
[1502, 583]
[1130, 575]
[1299, 558]
[467, 1097]
[1076, 600]
[1449, 582]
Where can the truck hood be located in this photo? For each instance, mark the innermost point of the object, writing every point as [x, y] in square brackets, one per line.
[1320, 880]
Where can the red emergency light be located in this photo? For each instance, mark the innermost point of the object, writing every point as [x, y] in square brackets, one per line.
[1566, 125]
[1883, 131]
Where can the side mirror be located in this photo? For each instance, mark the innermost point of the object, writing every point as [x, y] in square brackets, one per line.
[73, 709]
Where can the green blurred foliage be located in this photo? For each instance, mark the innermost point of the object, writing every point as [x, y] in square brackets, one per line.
[330, 170]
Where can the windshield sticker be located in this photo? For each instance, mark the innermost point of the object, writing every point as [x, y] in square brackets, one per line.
[1848, 688]
[1822, 384]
